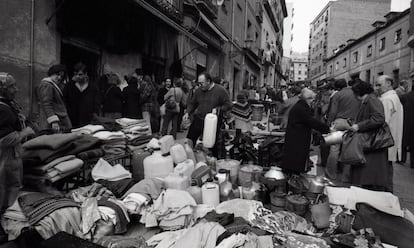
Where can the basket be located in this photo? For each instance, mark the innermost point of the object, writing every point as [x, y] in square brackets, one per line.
[297, 204]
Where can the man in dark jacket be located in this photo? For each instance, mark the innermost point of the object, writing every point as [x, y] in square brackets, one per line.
[132, 106]
[407, 101]
[298, 133]
[81, 97]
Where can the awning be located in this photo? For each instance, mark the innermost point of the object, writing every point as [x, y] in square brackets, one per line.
[212, 26]
[170, 22]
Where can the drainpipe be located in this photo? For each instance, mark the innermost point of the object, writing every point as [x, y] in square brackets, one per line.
[31, 59]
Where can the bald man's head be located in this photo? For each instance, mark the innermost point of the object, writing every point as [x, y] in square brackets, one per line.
[308, 95]
[384, 83]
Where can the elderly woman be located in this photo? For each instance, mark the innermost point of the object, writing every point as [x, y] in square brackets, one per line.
[12, 132]
[373, 175]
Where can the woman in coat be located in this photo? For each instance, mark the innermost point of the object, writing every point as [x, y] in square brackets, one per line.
[298, 133]
[131, 95]
[12, 132]
[171, 116]
[372, 175]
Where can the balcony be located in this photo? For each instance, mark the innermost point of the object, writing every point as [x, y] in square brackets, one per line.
[259, 12]
[172, 8]
[207, 7]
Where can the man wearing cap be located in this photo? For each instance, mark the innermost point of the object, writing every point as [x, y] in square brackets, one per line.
[52, 112]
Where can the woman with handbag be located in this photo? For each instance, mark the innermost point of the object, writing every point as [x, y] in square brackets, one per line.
[373, 174]
[173, 100]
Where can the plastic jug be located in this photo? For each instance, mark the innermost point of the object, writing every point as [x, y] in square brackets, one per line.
[178, 153]
[186, 167]
[210, 130]
[195, 192]
[166, 142]
[137, 163]
[158, 165]
[190, 152]
[229, 164]
[201, 174]
[210, 193]
[174, 181]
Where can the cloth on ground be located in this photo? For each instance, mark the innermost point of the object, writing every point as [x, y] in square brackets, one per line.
[249, 240]
[108, 214]
[103, 170]
[122, 242]
[94, 190]
[240, 208]
[65, 219]
[121, 214]
[90, 215]
[202, 235]
[119, 187]
[173, 209]
[295, 240]
[36, 206]
[149, 187]
[134, 201]
[88, 129]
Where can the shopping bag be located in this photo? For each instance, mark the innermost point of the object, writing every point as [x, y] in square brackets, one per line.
[352, 149]
[378, 139]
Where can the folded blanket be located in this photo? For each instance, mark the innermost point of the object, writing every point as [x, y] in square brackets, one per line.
[88, 129]
[70, 165]
[91, 154]
[114, 149]
[106, 135]
[125, 122]
[53, 141]
[46, 167]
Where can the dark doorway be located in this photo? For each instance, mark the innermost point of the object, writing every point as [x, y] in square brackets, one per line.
[71, 54]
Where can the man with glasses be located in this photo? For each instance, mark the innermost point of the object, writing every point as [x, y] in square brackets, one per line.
[207, 97]
[298, 133]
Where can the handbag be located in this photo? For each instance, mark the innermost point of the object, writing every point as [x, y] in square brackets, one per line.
[171, 104]
[352, 149]
[378, 139]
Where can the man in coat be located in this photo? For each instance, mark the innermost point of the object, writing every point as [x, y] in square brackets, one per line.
[51, 111]
[393, 111]
[298, 133]
[408, 137]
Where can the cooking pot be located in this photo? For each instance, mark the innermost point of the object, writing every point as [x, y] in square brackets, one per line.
[333, 138]
[275, 173]
[317, 185]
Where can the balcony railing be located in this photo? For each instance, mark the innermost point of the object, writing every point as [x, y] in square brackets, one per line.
[208, 7]
[172, 8]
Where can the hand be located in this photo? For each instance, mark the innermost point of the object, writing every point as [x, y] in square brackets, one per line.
[354, 128]
[27, 132]
[56, 127]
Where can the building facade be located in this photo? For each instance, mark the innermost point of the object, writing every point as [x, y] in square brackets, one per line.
[382, 51]
[287, 30]
[299, 67]
[337, 23]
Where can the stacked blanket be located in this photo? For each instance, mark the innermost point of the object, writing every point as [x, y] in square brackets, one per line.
[88, 129]
[134, 128]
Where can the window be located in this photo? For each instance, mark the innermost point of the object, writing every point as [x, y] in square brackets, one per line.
[382, 44]
[330, 69]
[380, 73]
[299, 72]
[299, 78]
[336, 65]
[368, 76]
[355, 57]
[369, 51]
[344, 62]
[397, 36]
[396, 75]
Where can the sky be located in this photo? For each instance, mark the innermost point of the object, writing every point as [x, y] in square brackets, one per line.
[304, 12]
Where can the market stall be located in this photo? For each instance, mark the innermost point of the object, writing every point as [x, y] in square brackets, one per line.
[187, 198]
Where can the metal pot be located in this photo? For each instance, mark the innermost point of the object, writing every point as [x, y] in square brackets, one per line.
[275, 173]
[333, 138]
[317, 185]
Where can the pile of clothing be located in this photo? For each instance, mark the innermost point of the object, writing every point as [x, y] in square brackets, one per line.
[134, 128]
[105, 171]
[113, 143]
[88, 129]
[53, 157]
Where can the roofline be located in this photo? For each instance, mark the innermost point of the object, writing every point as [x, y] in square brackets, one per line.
[376, 30]
[322, 11]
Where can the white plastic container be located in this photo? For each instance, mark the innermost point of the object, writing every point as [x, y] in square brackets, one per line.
[229, 164]
[158, 165]
[195, 192]
[186, 168]
[210, 130]
[178, 153]
[166, 142]
[174, 181]
[190, 152]
[210, 193]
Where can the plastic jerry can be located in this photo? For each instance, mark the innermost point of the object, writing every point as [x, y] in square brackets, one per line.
[158, 165]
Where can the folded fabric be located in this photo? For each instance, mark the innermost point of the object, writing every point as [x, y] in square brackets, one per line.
[14, 212]
[141, 140]
[88, 129]
[149, 187]
[103, 170]
[122, 242]
[201, 235]
[114, 149]
[119, 187]
[52, 164]
[69, 165]
[91, 154]
[107, 135]
[124, 122]
[36, 206]
[53, 141]
[134, 201]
